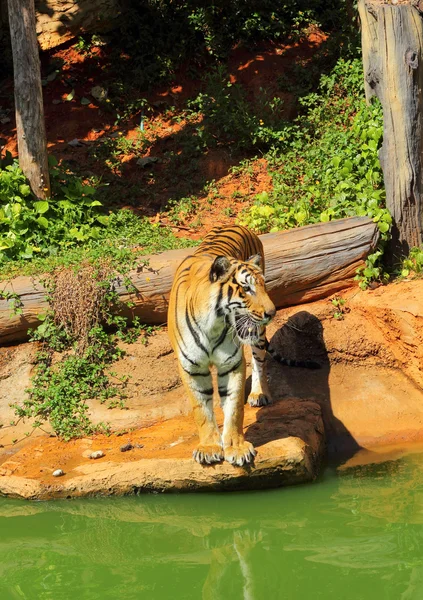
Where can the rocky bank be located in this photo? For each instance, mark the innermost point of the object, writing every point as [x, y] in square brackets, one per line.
[366, 396]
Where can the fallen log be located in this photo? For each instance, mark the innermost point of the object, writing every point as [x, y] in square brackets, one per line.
[302, 265]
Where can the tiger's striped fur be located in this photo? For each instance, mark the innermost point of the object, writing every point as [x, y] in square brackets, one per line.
[218, 303]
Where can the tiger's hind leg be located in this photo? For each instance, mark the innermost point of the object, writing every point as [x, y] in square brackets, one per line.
[260, 394]
[199, 387]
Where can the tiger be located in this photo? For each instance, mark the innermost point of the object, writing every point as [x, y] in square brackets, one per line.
[218, 304]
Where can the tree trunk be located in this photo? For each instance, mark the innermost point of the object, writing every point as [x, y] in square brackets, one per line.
[302, 265]
[32, 146]
[392, 43]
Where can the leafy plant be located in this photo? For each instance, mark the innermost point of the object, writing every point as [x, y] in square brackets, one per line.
[29, 226]
[223, 114]
[83, 304]
[159, 36]
[14, 301]
[413, 264]
[181, 209]
[340, 308]
[326, 166]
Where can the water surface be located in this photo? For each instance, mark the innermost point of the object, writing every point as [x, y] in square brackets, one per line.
[358, 535]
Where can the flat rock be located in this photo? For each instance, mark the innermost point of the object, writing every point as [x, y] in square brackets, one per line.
[288, 436]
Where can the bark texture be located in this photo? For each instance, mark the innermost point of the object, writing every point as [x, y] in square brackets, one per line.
[30, 127]
[302, 265]
[392, 43]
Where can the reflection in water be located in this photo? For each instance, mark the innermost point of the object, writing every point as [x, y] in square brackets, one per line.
[359, 535]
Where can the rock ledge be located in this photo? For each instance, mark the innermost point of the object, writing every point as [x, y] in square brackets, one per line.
[288, 436]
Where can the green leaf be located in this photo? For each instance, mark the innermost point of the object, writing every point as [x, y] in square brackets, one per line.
[383, 226]
[16, 209]
[262, 197]
[41, 206]
[77, 234]
[43, 222]
[66, 204]
[85, 101]
[70, 96]
[348, 164]
[24, 190]
[368, 272]
[6, 243]
[88, 190]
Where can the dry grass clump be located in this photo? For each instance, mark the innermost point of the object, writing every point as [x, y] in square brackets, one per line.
[79, 301]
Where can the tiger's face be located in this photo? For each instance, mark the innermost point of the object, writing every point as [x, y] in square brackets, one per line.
[243, 298]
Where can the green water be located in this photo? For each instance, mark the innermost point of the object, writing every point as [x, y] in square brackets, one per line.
[353, 536]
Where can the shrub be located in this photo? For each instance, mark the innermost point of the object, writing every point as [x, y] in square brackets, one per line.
[326, 164]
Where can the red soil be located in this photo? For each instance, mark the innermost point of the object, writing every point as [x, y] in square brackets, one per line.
[68, 120]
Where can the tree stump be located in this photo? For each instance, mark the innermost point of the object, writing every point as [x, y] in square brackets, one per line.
[392, 43]
[30, 127]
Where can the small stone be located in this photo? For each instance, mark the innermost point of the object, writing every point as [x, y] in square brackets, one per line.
[58, 473]
[74, 143]
[97, 454]
[5, 120]
[126, 447]
[99, 93]
[148, 160]
[138, 445]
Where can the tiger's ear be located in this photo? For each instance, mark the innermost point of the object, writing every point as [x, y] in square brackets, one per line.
[219, 268]
[256, 260]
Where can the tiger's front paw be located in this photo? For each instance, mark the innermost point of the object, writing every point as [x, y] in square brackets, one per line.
[207, 454]
[259, 399]
[240, 454]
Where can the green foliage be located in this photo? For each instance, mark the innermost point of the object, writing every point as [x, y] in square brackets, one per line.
[124, 238]
[29, 226]
[326, 164]
[340, 309]
[159, 36]
[223, 114]
[413, 264]
[60, 394]
[179, 210]
[61, 388]
[14, 301]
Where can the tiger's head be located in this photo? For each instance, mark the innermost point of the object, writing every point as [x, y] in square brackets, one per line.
[242, 296]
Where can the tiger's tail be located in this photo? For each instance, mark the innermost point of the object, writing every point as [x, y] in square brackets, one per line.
[290, 362]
